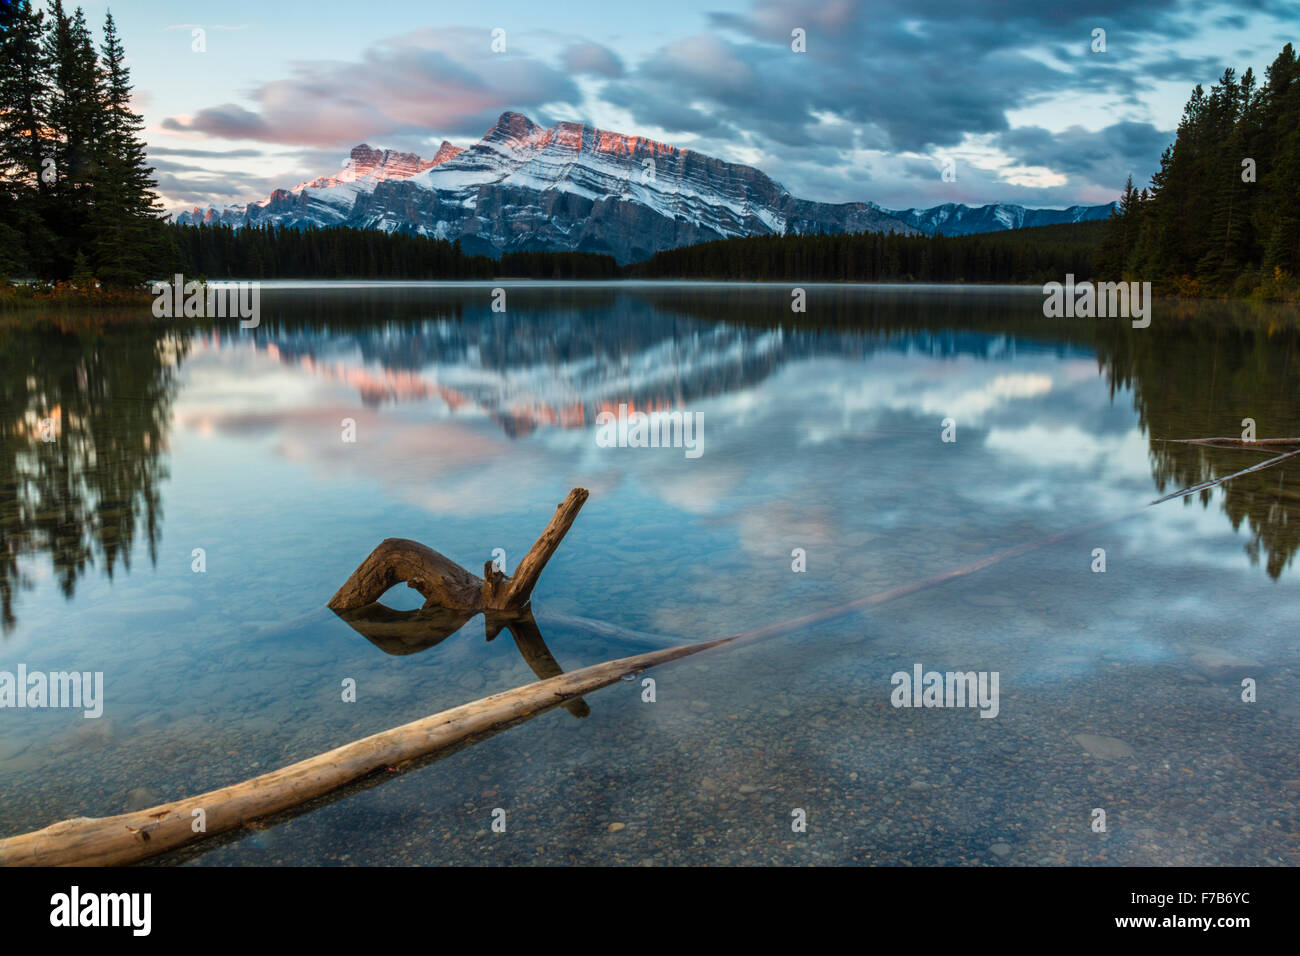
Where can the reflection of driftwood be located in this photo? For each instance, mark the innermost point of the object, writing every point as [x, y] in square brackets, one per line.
[444, 583]
[410, 632]
[130, 837]
[528, 638]
[453, 595]
[405, 632]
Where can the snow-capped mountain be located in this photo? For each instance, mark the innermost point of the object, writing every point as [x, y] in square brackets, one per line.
[570, 187]
[573, 187]
[957, 219]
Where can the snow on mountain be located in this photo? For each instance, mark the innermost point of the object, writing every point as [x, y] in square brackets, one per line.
[957, 219]
[563, 188]
[573, 187]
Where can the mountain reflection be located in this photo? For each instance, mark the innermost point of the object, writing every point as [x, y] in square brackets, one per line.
[560, 355]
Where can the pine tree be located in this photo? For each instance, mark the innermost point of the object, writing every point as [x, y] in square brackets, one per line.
[73, 119]
[126, 213]
[24, 93]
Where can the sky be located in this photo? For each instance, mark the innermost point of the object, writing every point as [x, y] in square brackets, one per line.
[884, 96]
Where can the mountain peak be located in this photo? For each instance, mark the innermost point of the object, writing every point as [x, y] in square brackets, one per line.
[512, 127]
[445, 152]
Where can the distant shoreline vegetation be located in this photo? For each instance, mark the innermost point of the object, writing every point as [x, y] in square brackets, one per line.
[1032, 255]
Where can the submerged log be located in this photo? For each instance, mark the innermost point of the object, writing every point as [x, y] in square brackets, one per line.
[138, 835]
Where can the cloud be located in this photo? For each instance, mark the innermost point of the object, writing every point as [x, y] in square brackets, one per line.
[182, 185]
[1102, 156]
[206, 153]
[594, 59]
[915, 78]
[425, 84]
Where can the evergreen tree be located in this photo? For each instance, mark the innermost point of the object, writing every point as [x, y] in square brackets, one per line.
[1222, 213]
[126, 238]
[24, 92]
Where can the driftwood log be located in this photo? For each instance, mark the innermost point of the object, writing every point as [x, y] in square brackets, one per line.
[444, 583]
[131, 837]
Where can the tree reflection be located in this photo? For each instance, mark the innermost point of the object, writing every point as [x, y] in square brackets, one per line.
[84, 416]
[1198, 374]
[104, 392]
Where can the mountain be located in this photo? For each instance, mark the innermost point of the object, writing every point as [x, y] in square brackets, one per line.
[573, 187]
[570, 187]
[957, 219]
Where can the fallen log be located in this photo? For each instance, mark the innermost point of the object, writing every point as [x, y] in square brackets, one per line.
[1232, 442]
[138, 835]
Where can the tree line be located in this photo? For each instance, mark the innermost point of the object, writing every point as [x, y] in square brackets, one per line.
[1032, 255]
[347, 252]
[77, 195]
[270, 252]
[1222, 214]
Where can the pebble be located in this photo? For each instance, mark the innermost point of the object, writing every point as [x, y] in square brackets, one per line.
[1104, 748]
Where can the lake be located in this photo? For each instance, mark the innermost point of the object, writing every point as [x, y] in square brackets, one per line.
[207, 488]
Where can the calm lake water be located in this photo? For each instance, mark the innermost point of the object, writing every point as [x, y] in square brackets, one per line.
[822, 431]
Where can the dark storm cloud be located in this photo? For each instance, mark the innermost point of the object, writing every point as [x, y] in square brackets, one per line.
[923, 72]
[923, 76]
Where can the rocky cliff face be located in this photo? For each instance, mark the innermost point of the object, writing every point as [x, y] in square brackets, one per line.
[569, 187]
